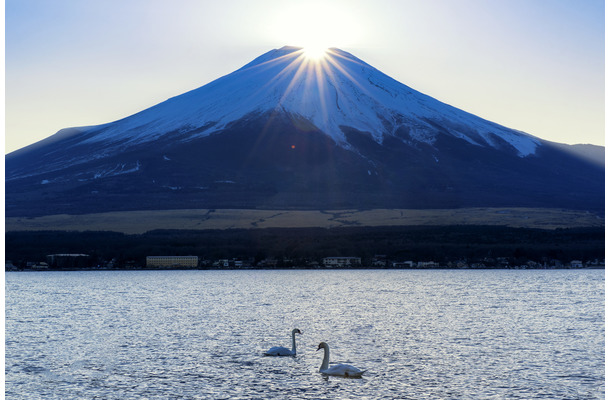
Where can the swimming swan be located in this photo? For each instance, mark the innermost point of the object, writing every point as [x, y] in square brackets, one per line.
[282, 351]
[339, 369]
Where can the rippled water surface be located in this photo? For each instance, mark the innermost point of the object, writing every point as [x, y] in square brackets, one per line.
[436, 334]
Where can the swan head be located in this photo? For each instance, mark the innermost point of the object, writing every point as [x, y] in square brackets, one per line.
[297, 331]
[322, 345]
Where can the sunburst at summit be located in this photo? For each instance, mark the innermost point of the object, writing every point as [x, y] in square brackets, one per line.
[315, 52]
[310, 79]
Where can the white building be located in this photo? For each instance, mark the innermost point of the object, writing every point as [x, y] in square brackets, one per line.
[403, 264]
[338, 262]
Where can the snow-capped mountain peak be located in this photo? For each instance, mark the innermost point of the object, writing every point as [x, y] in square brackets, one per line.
[332, 93]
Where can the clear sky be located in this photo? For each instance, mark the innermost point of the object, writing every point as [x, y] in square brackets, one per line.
[531, 65]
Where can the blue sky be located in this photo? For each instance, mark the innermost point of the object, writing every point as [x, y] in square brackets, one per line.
[535, 66]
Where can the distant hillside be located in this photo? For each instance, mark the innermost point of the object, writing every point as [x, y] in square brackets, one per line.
[135, 222]
[589, 152]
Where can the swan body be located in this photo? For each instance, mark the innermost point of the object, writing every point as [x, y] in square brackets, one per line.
[283, 351]
[345, 370]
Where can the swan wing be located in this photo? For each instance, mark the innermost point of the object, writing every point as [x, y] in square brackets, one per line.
[279, 351]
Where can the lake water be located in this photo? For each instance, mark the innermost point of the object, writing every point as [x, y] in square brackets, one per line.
[433, 334]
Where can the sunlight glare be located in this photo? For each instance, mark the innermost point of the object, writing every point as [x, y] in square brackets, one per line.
[314, 52]
[317, 25]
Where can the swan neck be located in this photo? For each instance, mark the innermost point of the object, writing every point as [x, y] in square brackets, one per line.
[294, 342]
[324, 365]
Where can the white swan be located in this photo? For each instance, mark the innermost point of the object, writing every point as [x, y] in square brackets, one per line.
[345, 370]
[282, 351]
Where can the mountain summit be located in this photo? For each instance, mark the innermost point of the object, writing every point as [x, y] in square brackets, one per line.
[290, 131]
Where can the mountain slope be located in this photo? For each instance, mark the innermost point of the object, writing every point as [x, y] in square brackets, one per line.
[285, 131]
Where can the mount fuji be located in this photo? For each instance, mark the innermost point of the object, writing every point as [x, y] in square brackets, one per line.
[287, 131]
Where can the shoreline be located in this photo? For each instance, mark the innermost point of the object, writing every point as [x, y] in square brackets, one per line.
[306, 269]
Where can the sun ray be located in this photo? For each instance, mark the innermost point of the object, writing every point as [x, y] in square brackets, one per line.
[321, 88]
[337, 54]
[283, 74]
[302, 66]
[346, 73]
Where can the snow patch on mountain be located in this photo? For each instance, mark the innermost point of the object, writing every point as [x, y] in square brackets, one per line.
[118, 169]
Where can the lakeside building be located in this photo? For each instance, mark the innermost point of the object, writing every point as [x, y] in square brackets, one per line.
[427, 264]
[67, 261]
[404, 264]
[338, 262]
[172, 261]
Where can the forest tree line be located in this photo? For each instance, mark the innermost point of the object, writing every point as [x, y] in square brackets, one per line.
[424, 243]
